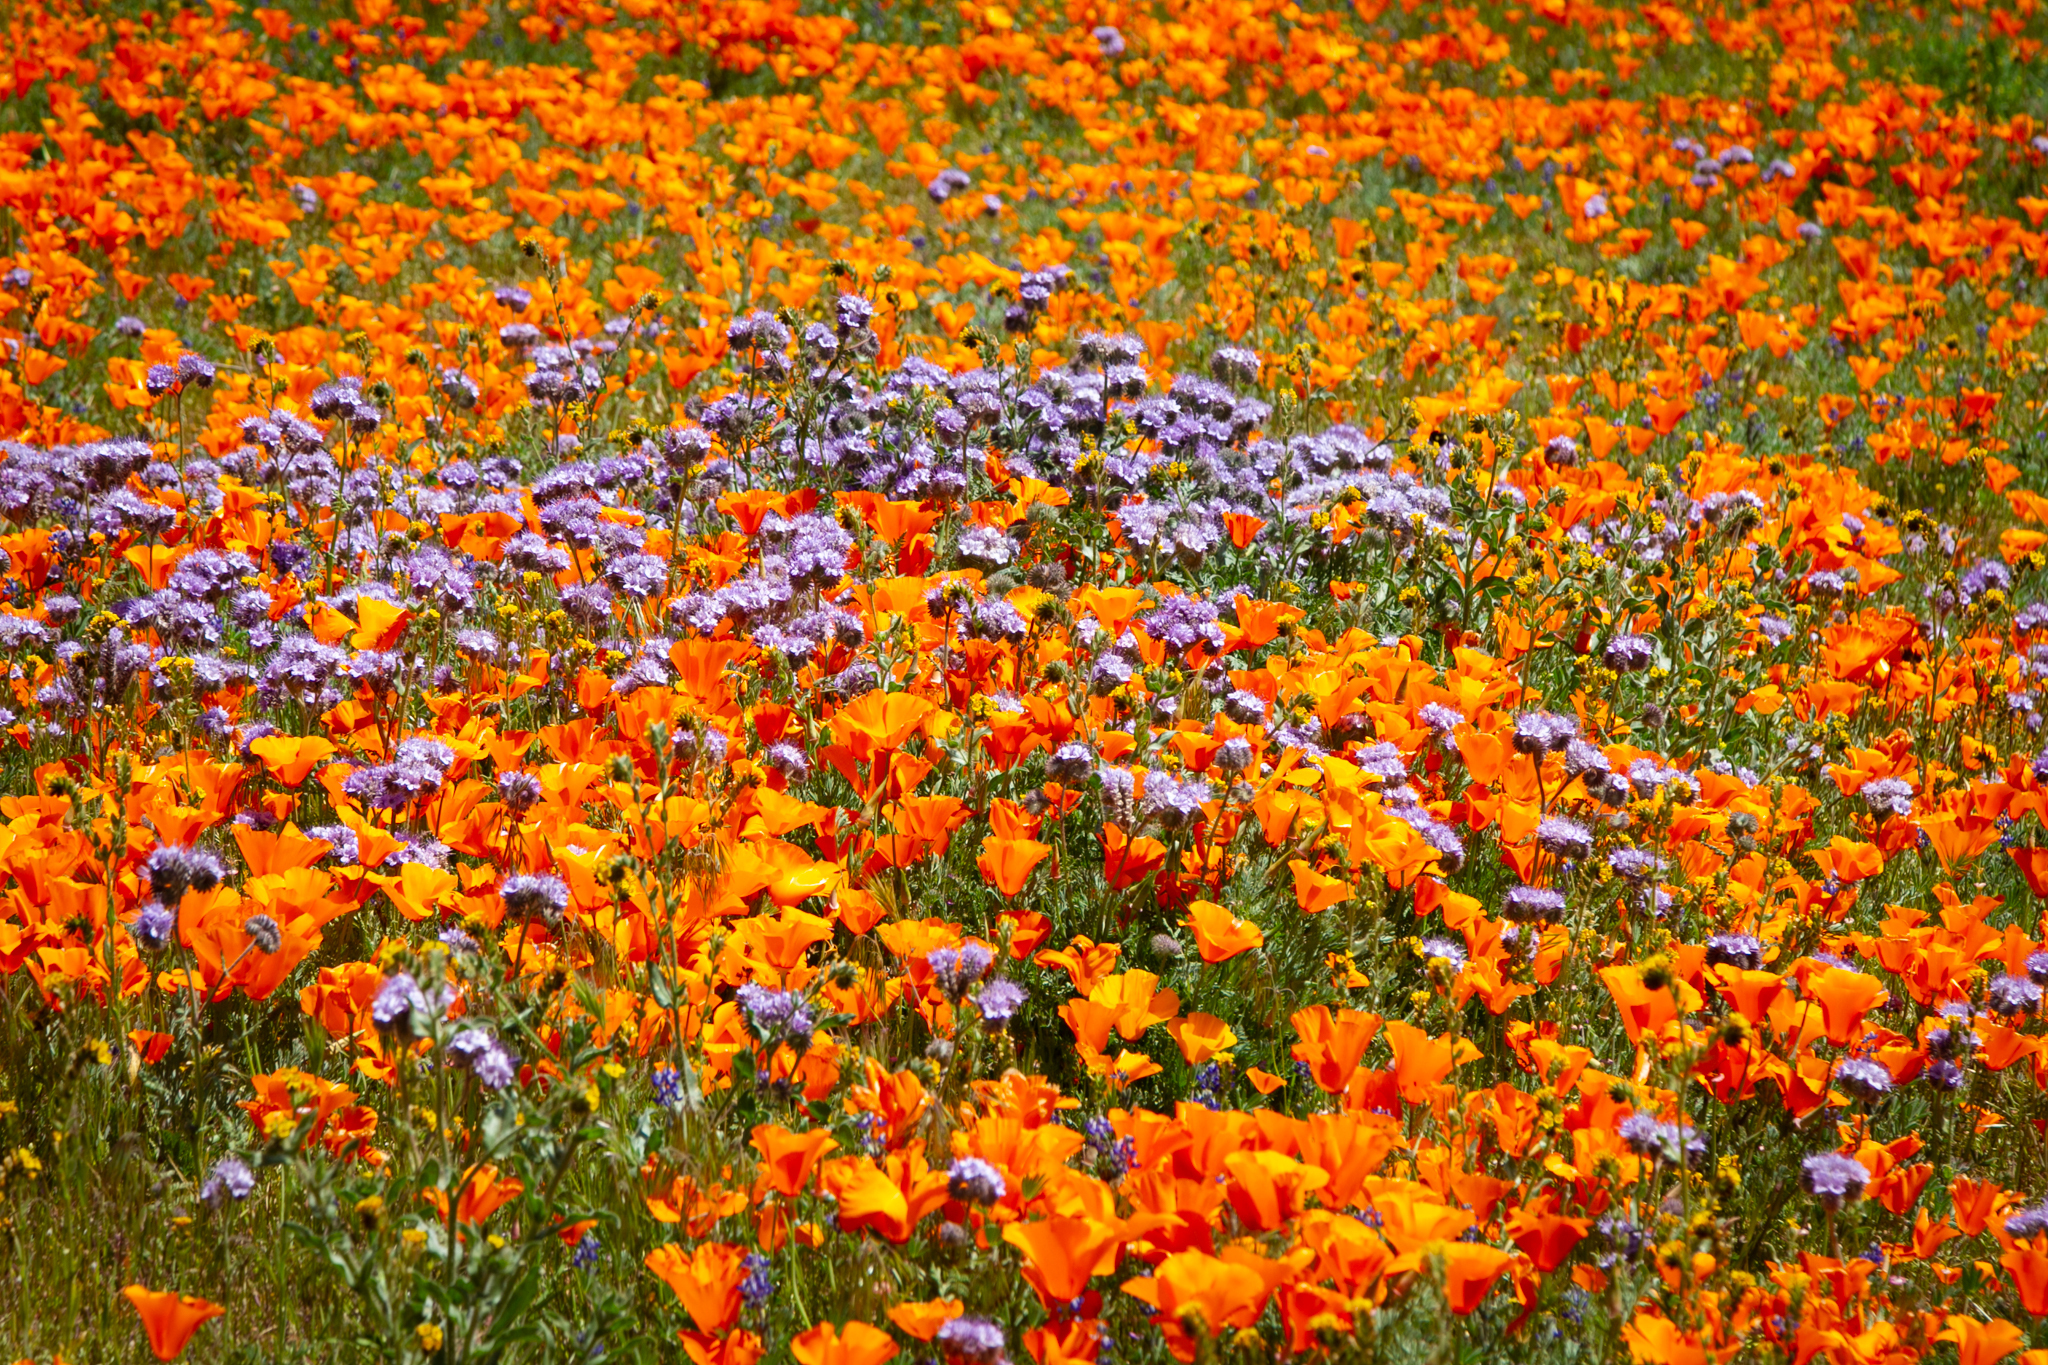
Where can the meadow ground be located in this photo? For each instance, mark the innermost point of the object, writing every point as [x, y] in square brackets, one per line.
[990, 682]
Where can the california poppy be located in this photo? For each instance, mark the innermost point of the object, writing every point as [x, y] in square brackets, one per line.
[857, 1343]
[1220, 935]
[169, 1318]
[706, 1281]
[789, 1159]
[1061, 1254]
[1006, 864]
[1314, 891]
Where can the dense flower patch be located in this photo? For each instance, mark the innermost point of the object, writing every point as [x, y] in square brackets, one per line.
[732, 681]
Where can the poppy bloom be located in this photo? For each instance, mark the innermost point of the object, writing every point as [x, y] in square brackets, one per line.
[170, 1318]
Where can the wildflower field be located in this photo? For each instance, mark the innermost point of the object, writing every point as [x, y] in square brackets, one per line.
[1020, 684]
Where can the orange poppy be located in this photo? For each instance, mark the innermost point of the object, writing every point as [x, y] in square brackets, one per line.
[706, 1281]
[1208, 1294]
[887, 1199]
[169, 1318]
[1006, 864]
[485, 1190]
[1201, 1037]
[1061, 1254]
[1982, 1343]
[1331, 1045]
[857, 1343]
[789, 1159]
[1220, 935]
[1315, 892]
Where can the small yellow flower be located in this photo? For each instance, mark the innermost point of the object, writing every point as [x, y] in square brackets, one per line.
[430, 1337]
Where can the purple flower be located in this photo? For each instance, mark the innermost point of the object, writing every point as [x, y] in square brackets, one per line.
[1069, 764]
[789, 760]
[2009, 995]
[638, 576]
[956, 970]
[1864, 1080]
[985, 548]
[1181, 622]
[485, 1056]
[398, 1003]
[231, 1179]
[759, 1285]
[154, 928]
[947, 183]
[975, 1340]
[816, 552]
[1737, 950]
[1635, 864]
[1566, 838]
[1446, 949]
[2023, 1225]
[520, 791]
[535, 896]
[1629, 653]
[1944, 1076]
[1956, 1038]
[1532, 904]
[1108, 42]
[973, 1181]
[1833, 1179]
[1638, 1132]
[1440, 718]
[775, 1015]
[999, 1002]
[1888, 796]
[1665, 1142]
[1172, 802]
[264, 933]
[173, 870]
[1234, 757]
[1248, 708]
[1235, 365]
[1542, 732]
